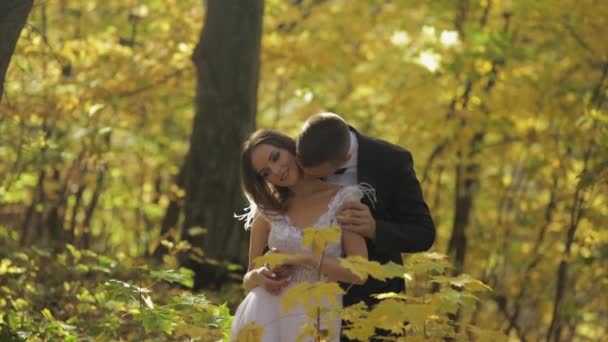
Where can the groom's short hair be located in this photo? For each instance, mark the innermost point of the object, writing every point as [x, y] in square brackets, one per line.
[325, 137]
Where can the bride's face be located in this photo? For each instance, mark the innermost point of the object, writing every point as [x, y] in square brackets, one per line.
[276, 165]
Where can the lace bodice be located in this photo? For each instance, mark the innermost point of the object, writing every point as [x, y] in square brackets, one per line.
[288, 238]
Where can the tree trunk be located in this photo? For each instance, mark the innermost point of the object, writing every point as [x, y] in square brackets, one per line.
[13, 15]
[576, 214]
[466, 180]
[227, 63]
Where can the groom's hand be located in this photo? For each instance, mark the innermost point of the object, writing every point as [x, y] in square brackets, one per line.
[356, 217]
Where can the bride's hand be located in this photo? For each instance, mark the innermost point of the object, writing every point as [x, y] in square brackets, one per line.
[270, 281]
[282, 271]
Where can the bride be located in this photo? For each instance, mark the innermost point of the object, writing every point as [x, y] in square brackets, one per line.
[283, 201]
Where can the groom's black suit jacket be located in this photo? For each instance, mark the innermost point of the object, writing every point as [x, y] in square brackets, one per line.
[403, 220]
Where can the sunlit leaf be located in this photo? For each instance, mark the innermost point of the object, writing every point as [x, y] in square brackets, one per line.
[319, 238]
[196, 231]
[362, 267]
[311, 296]
[158, 318]
[183, 276]
[74, 252]
[271, 259]
[251, 332]
[47, 314]
[463, 281]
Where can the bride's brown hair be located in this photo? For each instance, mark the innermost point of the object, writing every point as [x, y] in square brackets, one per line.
[267, 197]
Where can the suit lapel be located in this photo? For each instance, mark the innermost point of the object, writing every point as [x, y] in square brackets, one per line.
[364, 164]
[370, 171]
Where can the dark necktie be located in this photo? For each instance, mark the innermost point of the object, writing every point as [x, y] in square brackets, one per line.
[340, 171]
[337, 172]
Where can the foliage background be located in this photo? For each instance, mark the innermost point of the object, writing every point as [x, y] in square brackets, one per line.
[502, 103]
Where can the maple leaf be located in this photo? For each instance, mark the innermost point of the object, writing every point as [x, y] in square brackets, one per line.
[251, 332]
[319, 238]
[362, 267]
[271, 259]
[312, 295]
[463, 281]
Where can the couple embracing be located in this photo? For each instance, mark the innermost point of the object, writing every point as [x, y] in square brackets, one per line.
[329, 175]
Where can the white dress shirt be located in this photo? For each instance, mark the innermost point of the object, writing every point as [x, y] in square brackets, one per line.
[349, 177]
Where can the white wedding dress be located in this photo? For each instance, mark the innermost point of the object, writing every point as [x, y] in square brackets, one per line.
[264, 308]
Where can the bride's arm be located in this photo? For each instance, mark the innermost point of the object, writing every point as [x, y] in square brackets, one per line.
[353, 245]
[261, 276]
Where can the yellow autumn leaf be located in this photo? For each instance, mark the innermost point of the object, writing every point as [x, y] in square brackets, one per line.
[463, 281]
[358, 326]
[393, 295]
[394, 270]
[421, 263]
[389, 315]
[361, 331]
[307, 331]
[251, 332]
[418, 314]
[271, 259]
[319, 238]
[362, 267]
[358, 265]
[312, 296]
[354, 312]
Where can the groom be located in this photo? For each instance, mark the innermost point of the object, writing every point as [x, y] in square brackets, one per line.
[399, 222]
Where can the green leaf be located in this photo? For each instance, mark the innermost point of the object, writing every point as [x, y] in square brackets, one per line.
[183, 276]
[20, 304]
[221, 319]
[234, 267]
[192, 300]
[148, 301]
[76, 254]
[47, 314]
[196, 231]
[119, 289]
[158, 318]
